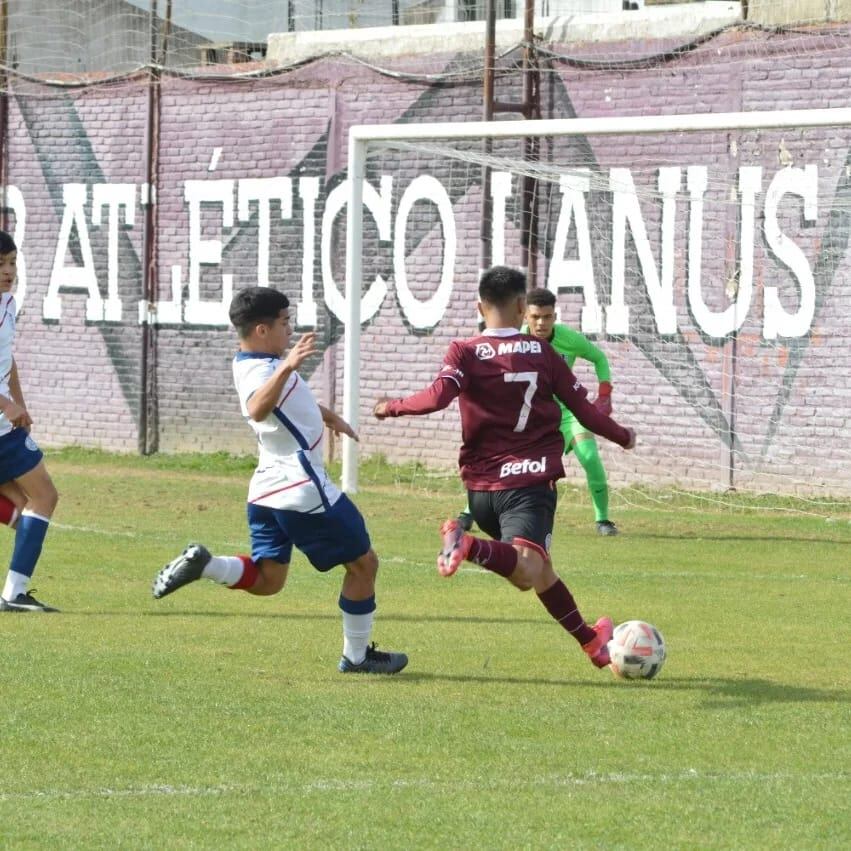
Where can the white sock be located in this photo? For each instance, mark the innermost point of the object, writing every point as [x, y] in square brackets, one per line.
[16, 583]
[356, 632]
[226, 570]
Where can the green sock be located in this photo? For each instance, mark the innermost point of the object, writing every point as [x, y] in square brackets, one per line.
[589, 457]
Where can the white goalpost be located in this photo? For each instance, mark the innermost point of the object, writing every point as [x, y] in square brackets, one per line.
[704, 252]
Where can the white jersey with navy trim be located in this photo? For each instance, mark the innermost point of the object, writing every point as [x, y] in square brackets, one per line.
[7, 341]
[290, 473]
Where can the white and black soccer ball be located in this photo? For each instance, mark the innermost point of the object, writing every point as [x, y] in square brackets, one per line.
[637, 650]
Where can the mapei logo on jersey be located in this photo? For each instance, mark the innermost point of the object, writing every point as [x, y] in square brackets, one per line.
[484, 351]
[527, 465]
[520, 347]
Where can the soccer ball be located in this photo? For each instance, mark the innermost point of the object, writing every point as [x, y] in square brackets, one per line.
[637, 650]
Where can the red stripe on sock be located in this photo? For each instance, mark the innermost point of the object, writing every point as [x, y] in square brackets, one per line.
[8, 511]
[249, 575]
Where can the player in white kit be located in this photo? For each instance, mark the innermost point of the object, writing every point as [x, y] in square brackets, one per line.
[26, 483]
[291, 499]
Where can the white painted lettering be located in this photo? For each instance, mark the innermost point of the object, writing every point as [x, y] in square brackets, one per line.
[378, 203]
[264, 190]
[113, 196]
[776, 320]
[73, 278]
[207, 251]
[427, 313]
[574, 274]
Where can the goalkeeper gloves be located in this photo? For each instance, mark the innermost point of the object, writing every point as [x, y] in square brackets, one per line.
[603, 402]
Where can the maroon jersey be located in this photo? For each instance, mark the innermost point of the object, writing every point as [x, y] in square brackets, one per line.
[510, 422]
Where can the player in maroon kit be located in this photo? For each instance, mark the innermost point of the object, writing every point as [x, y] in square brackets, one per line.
[511, 450]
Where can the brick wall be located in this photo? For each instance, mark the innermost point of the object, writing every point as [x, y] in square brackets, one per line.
[82, 363]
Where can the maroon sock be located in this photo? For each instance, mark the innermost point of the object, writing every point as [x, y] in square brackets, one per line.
[559, 602]
[495, 556]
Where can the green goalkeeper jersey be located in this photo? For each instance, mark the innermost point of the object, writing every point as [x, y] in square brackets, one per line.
[571, 344]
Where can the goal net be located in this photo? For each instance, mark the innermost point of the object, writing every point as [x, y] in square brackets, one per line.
[707, 255]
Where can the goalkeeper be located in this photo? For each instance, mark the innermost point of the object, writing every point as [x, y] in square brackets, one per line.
[571, 344]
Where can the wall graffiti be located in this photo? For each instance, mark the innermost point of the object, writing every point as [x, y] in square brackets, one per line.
[250, 189]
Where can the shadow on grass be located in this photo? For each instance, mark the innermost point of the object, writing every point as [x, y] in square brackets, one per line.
[721, 693]
[731, 694]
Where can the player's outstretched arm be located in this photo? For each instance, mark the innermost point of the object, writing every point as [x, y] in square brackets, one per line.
[379, 409]
[568, 389]
[267, 396]
[437, 396]
[337, 424]
[595, 420]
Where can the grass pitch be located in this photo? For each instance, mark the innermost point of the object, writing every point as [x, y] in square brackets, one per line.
[212, 719]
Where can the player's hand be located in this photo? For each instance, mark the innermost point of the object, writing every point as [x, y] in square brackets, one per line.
[17, 415]
[379, 410]
[301, 351]
[339, 426]
[603, 402]
[632, 438]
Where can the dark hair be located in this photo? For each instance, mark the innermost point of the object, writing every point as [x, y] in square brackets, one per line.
[254, 306]
[7, 244]
[540, 297]
[500, 284]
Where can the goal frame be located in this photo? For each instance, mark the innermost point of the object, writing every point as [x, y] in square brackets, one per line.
[360, 137]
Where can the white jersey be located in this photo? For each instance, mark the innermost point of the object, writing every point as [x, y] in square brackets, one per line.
[290, 472]
[7, 340]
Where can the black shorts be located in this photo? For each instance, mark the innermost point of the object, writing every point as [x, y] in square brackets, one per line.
[527, 513]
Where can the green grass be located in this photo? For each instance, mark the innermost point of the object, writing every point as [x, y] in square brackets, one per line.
[213, 719]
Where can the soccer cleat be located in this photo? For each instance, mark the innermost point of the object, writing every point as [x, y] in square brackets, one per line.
[25, 603]
[375, 662]
[606, 527]
[456, 545]
[597, 649]
[186, 568]
[465, 520]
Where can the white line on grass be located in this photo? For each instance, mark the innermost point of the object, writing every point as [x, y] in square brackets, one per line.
[113, 533]
[89, 530]
[443, 784]
[568, 571]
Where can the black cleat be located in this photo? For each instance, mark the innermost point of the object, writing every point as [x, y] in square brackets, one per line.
[606, 527]
[375, 662]
[25, 603]
[186, 568]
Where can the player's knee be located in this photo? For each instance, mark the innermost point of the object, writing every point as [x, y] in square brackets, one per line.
[270, 585]
[272, 576]
[44, 500]
[364, 568]
[532, 571]
[523, 576]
